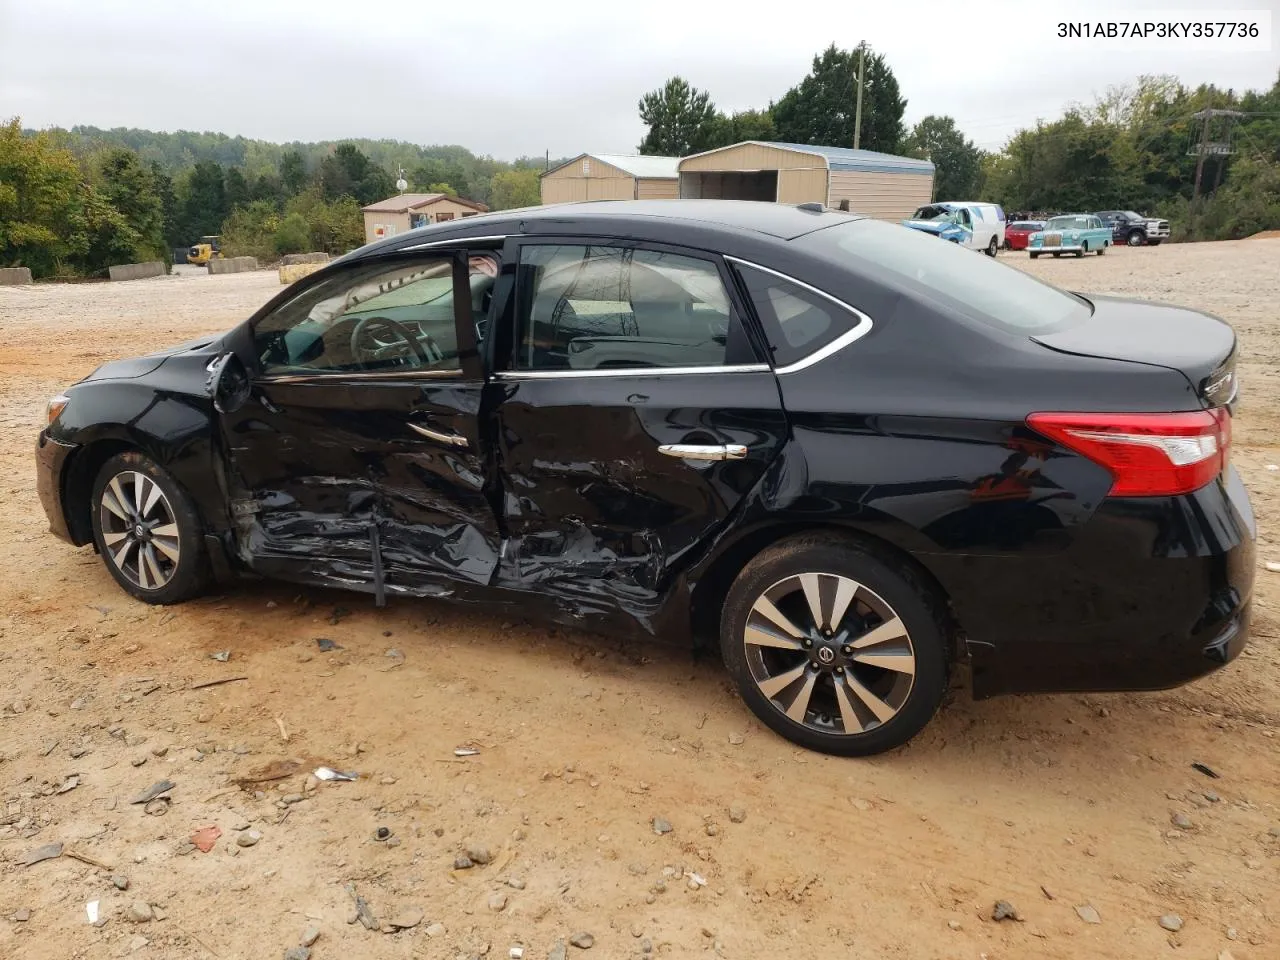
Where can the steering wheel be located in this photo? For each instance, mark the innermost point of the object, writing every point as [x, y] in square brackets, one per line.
[402, 345]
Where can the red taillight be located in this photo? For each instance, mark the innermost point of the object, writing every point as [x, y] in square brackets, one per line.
[1148, 454]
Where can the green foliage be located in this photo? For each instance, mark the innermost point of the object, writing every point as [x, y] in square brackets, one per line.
[821, 108]
[334, 227]
[39, 194]
[250, 230]
[347, 172]
[133, 191]
[681, 119]
[203, 201]
[957, 162]
[293, 235]
[744, 125]
[293, 172]
[515, 188]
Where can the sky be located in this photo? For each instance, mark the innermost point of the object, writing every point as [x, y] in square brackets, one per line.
[510, 79]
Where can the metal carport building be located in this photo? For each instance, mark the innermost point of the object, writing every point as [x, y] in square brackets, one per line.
[607, 176]
[879, 185]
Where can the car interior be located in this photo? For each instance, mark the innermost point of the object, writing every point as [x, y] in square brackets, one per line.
[400, 319]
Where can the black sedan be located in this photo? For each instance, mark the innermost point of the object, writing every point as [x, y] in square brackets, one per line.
[847, 454]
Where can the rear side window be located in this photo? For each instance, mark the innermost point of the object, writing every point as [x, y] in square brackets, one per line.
[798, 322]
[980, 288]
[593, 307]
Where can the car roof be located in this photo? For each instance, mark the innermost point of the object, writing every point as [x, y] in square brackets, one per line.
[726, 217]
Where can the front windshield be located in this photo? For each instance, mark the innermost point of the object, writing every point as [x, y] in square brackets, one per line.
[1133, 216]
[947, 274]
[1069, 223]
[932, 212]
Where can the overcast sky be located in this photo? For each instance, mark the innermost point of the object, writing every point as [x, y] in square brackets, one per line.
[508, 78]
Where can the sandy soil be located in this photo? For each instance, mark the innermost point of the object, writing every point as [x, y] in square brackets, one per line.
[1049, 803]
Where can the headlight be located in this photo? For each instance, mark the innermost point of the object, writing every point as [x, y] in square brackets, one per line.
[55, 407]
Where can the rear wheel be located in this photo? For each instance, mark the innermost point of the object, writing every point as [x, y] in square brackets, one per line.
[1034, 256]
[147, 531]
[833, 647]
[1057, 254]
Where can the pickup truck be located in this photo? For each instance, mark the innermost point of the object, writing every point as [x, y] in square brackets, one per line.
[1134, 229]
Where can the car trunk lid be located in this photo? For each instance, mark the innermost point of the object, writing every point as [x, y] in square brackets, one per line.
[1199, 346]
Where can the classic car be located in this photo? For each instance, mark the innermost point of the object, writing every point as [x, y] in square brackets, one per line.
[1134, 229]
[1077, 233]
[771, 430]
[1017, 233]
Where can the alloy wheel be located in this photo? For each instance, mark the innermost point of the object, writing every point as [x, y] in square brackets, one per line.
[139, 529]
[829, 653]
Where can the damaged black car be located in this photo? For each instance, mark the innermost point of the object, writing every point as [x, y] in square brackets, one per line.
[850, 456]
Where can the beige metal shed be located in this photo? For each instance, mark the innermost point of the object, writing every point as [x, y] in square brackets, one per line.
[607, 176]
[879, 185]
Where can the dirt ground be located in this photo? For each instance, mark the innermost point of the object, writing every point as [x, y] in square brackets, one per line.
[1050, 803]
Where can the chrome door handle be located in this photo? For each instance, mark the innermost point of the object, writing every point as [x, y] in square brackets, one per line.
[698, 451]
[450, 439]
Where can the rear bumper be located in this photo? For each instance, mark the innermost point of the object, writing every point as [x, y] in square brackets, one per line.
[51, 458]
[1150, 594]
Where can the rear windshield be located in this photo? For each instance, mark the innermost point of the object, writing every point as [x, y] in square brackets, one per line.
[977, 286]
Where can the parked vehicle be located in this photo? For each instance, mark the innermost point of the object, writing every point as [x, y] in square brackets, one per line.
[847, 453]
[1134, 229]
[1077, 233]
[1018, 232]
[978, 226]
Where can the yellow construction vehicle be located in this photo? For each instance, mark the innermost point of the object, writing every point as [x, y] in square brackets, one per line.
[209, 248]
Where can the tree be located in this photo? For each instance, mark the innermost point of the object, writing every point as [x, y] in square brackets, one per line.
[347, 172]
[293, 235]
[957, 162]
[680, 118]
[744, 125]
[99, 235]
[132, 190]
[203, 202]
[820, 109]
[515, 188]
[435, 171]
[38, 194]
[293, 173]
[237, 188]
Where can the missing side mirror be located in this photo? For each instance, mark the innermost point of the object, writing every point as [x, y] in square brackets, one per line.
[228, 383]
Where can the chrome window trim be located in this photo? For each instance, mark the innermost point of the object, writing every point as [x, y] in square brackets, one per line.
[359, 375]
[860, 330]
[456, 241]
[629, 372]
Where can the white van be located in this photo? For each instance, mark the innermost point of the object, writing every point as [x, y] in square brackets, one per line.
[982, 224]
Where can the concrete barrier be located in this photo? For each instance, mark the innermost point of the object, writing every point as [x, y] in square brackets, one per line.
[136, 271]
[11, 276]
[289, 272]
[289, 259]
[233, 265]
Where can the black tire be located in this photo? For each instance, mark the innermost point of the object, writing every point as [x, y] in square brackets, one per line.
[1135, 238]
[1084, 248]
[992, 247]
[1057, 255]
[1102, 250]
[157, 576]
[1035, 256]
[1154, 243]
[889, 594]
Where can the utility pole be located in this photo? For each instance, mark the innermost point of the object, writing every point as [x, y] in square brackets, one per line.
[857, 116]
[548, 161]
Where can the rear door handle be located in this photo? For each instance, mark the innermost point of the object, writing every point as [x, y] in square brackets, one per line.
[698, 451]
[449, 439]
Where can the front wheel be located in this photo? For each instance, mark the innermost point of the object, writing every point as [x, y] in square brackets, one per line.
[1135, 238]
[992, 247]
[147, 531]
[835, 648]
[1084, 248]
[1034, 256]
[1102, 250]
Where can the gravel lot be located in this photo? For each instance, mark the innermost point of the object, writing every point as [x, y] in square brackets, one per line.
[1056, 805]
